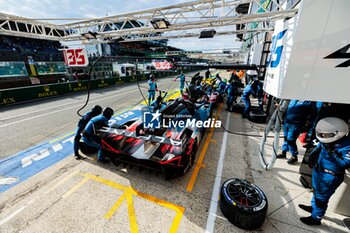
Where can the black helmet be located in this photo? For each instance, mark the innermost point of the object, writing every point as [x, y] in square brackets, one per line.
[108, 112]
[96, 110]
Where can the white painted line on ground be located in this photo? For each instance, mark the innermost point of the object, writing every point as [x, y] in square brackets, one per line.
[49, 113]
[41, 110]
[70, 139]
[57, 147]
[7, 180]
[3, 221]
[216, 189]
[132, 89]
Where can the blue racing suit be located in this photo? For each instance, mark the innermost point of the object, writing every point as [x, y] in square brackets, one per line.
[182, 81]
[248, 90]
[152, 90]
[222, 86]
[231, 91]
[155, 105]
[297, 115]
[89, 134]
[328, 174]
[81, 125]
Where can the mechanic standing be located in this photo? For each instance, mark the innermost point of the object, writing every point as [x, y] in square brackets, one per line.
[152, 89]
[250, 89]
[328, 174]
[96, 110]
[231, 91]
[297, 115]
[90, 132]
[182, 81]
[207, 74]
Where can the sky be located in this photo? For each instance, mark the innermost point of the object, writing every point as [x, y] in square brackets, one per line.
[99, 8]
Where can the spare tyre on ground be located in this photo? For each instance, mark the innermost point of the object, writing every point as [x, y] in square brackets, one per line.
[243, 204]
[257, 116]
[238, 107]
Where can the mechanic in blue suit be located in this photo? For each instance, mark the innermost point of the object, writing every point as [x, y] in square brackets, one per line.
[250, 89]
[328, 174]
[91, 129]
[297, 115]
[231, 91]
[182, 81]
[158, 104]
[152, 89]
[96, 110]
[222, 86]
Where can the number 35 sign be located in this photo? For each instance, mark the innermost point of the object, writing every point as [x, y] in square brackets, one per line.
[75, 57]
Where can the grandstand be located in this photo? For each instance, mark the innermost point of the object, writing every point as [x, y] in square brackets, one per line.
[27, 61]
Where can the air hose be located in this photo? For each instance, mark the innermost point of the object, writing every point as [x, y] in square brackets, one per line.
[275, 123]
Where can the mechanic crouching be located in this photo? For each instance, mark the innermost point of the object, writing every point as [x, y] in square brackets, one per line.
[96, 110]
[328, 174]
[90, 132]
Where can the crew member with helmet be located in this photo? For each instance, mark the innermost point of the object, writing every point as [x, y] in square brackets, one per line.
[334, 157]
[152, 89]
[96, 110]
[182, 81]
[91, 129]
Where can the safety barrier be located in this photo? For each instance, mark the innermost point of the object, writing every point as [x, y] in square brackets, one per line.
[16, 95]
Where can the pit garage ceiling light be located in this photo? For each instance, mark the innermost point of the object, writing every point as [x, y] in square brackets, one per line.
[89, 35]
[160, 23]
[207, 34]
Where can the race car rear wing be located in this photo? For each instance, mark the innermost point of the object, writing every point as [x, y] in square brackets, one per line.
[146, 137]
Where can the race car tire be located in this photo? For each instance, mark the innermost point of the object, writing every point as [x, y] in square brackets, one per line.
[87, 150]
[246, 210]
[257, 116]
[238, 107]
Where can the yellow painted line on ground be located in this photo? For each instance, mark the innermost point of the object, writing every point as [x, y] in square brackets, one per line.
[57, 139]
[127, 195]
[201, 156]
[76, 187]
[114, 208]
[172, 96]
[176, 221]
[178, 209]
[213, 140]
[132, 216]
[106, 182]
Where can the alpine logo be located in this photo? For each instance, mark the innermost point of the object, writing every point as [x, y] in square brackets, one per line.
[341, 54]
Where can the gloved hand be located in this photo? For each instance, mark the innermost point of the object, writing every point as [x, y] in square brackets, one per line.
[313, 157]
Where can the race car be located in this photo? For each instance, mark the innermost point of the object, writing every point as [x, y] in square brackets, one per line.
[170, 148]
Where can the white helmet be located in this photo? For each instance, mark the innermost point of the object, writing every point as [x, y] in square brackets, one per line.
[331, 129]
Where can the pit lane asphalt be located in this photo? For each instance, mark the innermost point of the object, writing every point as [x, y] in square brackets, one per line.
[84, 196]
[25, 125]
